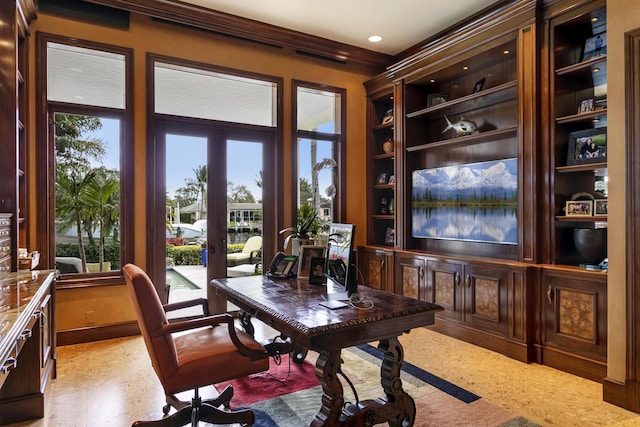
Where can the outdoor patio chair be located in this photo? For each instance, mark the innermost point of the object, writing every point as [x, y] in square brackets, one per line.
[250, 253]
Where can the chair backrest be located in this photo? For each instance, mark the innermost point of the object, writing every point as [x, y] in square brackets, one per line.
[254, 243]
[151, 317]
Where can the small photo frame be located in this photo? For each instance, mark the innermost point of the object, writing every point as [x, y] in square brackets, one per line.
[384, 205]
[392, 179]
[388, 117]
[587, 146]
[307, 252]
[382, 178]
[390, 237]
[479, 84]
[579, 208]
[437, 98]
[586, 105]
[595, 46]
[600, 207]
[316, 271]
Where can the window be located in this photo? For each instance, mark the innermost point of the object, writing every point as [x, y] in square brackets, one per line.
[86, 103]
[319, 129]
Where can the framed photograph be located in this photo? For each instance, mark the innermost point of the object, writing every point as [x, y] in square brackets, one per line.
[437, 98]
[384, 205]
[585, 106]
[392, 179]
[316, 272]
[478, 86]
[388, 117]
[595, 46]
[390, 237]
[600, 207]
[587, 146]
[579, 208]
[382, 178]
[304, 262]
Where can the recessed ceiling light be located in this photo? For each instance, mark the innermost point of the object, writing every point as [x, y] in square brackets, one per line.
[375, 39]
[506, 51]
[594, 19]
[465, 68]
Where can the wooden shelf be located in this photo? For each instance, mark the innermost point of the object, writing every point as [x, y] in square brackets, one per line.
[478, 138]
[383, 187]
[594, 218]
[384, 126]
[600, 115]
[588, 167]
[492, 95]
[383, 156]
[583, 66]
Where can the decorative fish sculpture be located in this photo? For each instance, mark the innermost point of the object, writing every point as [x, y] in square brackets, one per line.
[462, 126]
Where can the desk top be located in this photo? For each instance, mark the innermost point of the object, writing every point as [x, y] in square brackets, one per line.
[293, 307]
[20, 294]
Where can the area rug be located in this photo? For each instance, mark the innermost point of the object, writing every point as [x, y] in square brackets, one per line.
[294, 401]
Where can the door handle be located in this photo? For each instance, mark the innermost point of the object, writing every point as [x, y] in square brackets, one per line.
[223, 246]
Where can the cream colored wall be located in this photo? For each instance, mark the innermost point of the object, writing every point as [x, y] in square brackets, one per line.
[622, 16]
[86, 307]
[145, 36]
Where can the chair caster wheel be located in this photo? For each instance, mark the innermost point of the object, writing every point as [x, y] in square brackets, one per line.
[166, 408]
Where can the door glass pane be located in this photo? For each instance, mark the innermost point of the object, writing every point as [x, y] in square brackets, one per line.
[186, 184]
[244, 207]
[87, 188]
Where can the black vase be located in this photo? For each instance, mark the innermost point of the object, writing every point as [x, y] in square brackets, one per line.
[591, 244]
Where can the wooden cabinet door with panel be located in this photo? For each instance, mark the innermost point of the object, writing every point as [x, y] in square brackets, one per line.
[410, 275]
[377, 267]
[486, 298]
[444, 287]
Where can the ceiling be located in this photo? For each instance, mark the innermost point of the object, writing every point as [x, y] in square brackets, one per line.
[401, 23]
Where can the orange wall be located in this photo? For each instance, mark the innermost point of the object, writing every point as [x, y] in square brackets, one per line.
[145, 36]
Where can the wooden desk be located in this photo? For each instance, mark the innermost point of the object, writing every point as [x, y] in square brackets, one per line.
[293, 308]
[27, 343]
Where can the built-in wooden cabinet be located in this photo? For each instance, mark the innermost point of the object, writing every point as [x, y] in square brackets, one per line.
[574, 321]
[15, 16]
[377, 267]
[523, 85]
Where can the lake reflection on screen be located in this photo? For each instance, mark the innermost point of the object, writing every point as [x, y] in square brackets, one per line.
[480, 225]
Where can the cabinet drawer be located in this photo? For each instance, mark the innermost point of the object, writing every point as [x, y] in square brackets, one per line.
[5, 246]
[5, 264]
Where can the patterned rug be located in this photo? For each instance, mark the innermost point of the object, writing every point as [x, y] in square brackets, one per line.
[438, 402]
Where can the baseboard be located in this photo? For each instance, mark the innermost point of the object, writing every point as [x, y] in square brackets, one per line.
[624, 395]
[97, 333]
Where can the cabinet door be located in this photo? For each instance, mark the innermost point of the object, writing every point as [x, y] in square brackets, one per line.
[376, 266]
[486, 298]
[410, 275]
[575, 315]
[444, 287]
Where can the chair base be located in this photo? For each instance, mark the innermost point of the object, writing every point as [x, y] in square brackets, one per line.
[197, 410]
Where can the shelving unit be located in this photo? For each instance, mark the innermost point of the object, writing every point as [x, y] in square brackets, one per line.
[574, 80]
[381, 167]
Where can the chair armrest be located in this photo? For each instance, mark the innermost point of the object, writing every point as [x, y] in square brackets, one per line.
[190, 303]
[215, 320]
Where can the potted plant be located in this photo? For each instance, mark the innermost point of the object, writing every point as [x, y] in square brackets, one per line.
[307, 226]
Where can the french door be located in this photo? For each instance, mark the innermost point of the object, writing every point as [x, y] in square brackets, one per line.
[228, 173]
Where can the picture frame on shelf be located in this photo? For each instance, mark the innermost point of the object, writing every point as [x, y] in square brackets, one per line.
[382, 177]
[384, 205]
[578, 208]
[388, 117]
[392, 179]
[594, 47]
[437, 98]
[316, 271]
[390, 236]
[587, 146]
[600, 207]
[586, 105]
[307, 252]
[479, 85]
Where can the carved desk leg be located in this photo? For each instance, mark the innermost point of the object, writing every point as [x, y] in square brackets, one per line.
[392, 384]
[245, 321]
[327, 366]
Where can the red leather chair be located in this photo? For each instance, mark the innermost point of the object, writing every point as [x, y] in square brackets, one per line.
[193, 353]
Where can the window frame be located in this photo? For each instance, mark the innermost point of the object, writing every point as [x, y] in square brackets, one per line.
[45, 161]
[338, 141]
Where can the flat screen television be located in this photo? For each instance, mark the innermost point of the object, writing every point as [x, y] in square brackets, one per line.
[340, 265]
